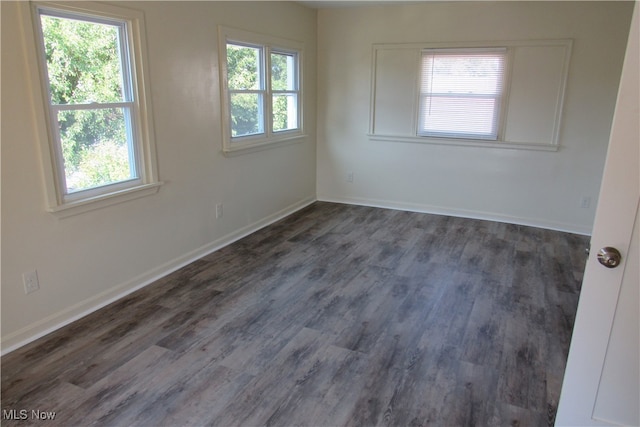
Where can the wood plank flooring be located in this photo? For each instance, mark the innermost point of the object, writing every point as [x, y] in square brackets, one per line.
[334, 316]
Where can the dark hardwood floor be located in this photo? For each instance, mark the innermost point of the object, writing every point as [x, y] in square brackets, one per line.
[336, 315]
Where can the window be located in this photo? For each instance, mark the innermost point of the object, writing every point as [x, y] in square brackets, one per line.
[461, 93]
[499, 94]
[97, 123]
[261, 95]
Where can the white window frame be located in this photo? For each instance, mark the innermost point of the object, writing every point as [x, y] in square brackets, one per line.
[268, 45]
[140, 125]
[498, 97]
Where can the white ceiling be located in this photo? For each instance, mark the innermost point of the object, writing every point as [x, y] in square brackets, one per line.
[320, 4]
[354, 3]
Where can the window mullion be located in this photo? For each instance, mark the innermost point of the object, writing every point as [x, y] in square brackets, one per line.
[92, 106]
[268, 98]
[247, 91]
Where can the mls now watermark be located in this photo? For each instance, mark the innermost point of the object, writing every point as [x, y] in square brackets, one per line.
[24, 414]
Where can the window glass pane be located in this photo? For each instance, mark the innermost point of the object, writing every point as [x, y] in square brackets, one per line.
[83, 61]
[285, 111]
[461, 93]
[243, 67]
[283, 71]
[95, 147]
[246, 114]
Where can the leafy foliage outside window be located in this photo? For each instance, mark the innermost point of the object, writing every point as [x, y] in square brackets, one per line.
[89, 99]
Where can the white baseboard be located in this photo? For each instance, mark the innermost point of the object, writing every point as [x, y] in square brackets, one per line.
[62, 318]
[462, 213]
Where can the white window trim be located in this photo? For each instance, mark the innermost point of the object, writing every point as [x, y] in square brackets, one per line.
[465, 142]
[269, 139]
[83, 201]
[500, 143]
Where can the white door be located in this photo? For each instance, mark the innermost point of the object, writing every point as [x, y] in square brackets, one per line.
[601, 380]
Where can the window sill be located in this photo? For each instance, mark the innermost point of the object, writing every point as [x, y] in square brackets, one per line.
[534, 146]
[97, 202]
[230, 150]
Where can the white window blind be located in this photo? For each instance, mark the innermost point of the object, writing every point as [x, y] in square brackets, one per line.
[461, 92]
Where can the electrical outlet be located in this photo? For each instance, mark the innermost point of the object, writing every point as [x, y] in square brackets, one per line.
[585, 202]
[30, 280]
[349, 176]
[219, 210]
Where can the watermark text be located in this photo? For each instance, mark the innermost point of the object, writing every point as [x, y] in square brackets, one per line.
[25, 414]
